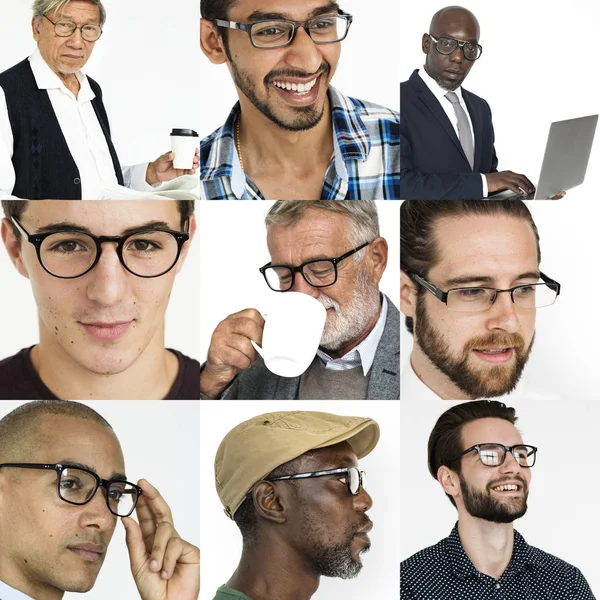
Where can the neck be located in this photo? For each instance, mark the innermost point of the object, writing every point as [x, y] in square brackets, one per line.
[488, 545]
[149, 377]
[433, 378]
[71, 82]
[265, 145]
[21, 583]
[274, 573]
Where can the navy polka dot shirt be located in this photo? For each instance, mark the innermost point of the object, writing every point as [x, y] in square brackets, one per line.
[445, 572]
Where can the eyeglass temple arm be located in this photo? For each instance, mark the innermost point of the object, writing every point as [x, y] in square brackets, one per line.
[547, 279]
[443, 296]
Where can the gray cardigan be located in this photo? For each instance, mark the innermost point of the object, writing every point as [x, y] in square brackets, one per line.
[258, 383]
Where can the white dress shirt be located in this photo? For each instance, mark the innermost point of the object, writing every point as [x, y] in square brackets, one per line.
[8, 593]
[440, 94]
[83, 134]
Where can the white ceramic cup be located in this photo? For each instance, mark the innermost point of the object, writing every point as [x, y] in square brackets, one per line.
[293, 328]
[183, 144]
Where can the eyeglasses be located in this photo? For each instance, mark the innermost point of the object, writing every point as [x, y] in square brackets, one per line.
[326, 29]
[319, 273]
[72, 253]
[493, 455]
[77, 485]
[354, 478]
[446, 45]
[475, 299]
[64, 29]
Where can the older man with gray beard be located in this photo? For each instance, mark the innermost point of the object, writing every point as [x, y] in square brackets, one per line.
[358, 357]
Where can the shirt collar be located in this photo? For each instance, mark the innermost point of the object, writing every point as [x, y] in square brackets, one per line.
[47, 79]
[8, 593]
[364, 353]
[436, 89]
[463, 568]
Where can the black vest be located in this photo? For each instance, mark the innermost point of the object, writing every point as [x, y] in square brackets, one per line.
[44, 166]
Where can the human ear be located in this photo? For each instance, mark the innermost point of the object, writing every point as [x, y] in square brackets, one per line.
[449, 481]
[269, 503]
[378, 256]
[211, 42]
[408, 295]
[13, 246]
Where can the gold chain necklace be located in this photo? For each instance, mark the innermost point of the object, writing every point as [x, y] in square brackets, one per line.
[237, 142]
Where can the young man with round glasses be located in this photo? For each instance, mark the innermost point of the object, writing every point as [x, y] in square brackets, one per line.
[54, 129]
[477, 455]
[102, 275]
[333, 252]
[291, 483]
[63, 486]
[447, 132]
[470, 288]
[292, 135]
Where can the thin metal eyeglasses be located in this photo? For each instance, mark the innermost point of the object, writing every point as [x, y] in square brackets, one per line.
[64, 29]
[277, 33]
[475, 299]
[493, 454]
[71, 253]
[78, 486]
[354, 478]
[447, 45]
[320, 272]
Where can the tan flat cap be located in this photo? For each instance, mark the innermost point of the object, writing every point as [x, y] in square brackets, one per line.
[254, 448]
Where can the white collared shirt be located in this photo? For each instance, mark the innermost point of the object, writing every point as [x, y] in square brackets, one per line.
[81, 129]
[440, 94]
[8, 593]
[364, 354]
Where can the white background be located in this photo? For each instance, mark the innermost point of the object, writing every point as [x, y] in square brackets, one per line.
[21, 329]
[537, 67]
[367, 68]
[160, 444]
[146, 63]
[220, 538]
[564, 359]
[233, 245]
[563, 498]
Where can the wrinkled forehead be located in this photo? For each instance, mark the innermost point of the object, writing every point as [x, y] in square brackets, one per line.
[110, 217]
[77, 8]
[490, 430]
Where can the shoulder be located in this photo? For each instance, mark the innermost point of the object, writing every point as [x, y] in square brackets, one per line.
[17, 378]
[367, 111]
[187, 383]
[15, 73]
[475, 99]
[557, 567]
[428, 560]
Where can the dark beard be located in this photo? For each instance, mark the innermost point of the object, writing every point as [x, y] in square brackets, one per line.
[483, 506]
[497, 380]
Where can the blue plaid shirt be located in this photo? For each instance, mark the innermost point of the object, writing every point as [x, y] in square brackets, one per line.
[365, 163]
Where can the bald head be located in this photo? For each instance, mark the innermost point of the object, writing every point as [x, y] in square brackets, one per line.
[453, 17]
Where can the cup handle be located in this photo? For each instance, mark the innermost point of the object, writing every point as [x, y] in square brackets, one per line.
[257, 348]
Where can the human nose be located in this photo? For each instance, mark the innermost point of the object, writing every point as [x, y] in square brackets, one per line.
[108, 279]
[303, 54]
[95, 513]
[457, 56]
[510, 464]
[363, 499]
[302, 286]
[75, 40]
[503, 314]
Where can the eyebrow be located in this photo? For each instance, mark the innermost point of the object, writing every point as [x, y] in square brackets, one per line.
[466, 279]
[76, 228]
[259, 15]
[78, 465]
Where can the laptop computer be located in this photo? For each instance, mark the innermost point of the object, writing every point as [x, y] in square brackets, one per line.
[566, 159]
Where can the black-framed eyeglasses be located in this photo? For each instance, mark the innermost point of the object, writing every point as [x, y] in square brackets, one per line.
[354, 478]
[77, 485]
[71, 253]
[447, 45]
[475, 299]
[493, 454]
[64, 29]
[321, 272]
[277, 33]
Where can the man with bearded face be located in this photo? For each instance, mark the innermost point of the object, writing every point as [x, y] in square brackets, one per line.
[291, 482]
[358, 357]
[478, 456]
[470, 287]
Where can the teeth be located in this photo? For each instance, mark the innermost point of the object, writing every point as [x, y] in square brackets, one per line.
[507, 488]
[299, 88]
[494, 351]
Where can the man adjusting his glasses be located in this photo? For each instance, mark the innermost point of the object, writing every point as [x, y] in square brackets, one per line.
[291, 483]
[477, 455]
[62, 489]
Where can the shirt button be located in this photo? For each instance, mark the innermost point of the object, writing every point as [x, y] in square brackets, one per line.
[76, 181]
[497, 586]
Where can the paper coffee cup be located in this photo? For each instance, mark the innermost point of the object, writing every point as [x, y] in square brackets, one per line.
[183, 144]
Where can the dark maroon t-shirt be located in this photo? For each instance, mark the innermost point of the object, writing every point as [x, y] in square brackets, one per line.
[19, 380]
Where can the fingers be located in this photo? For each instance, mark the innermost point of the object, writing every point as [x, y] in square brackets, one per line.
[558, 196]
[154, 504]
[135, 544]
[165, 537]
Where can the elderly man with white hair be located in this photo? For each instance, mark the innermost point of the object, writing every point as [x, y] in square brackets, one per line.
[55, 137]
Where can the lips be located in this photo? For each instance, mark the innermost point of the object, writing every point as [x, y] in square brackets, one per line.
[495, 356]
[89, 552]
[510, 486]
[107, 331]
[365, 529]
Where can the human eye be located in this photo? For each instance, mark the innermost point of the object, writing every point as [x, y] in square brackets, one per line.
[323, 23]
[90, 28]
[70, 483]
[525, 290]
[446, 43]
[115, 493]
[470, 294]
[68, 247]
[269, 30]
[143, 246]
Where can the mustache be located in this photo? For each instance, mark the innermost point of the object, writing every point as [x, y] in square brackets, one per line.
[324, 69]
[496, 341]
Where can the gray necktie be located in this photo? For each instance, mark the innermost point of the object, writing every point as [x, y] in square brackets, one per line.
[465, 134]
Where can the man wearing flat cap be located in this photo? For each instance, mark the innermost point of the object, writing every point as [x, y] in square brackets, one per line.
[290, 480]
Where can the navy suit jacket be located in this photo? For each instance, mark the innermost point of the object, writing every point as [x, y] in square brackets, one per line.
[432, 162]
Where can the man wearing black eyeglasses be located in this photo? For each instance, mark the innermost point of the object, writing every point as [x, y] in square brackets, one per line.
[292, 135]
[333, 252]
[291, 483]
[447, 133]
[101, 274]
[54, 130]
[477, 455]
[62, 489]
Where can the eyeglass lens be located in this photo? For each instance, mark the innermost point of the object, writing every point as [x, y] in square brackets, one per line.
[69, 254]
[320, 274]
[355, 480]
[449, 45]
[525, 296]
[78, 487]
[90, 33]
[322, 30]
[493, 455]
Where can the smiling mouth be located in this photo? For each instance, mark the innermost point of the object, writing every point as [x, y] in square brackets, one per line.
[296, 88]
